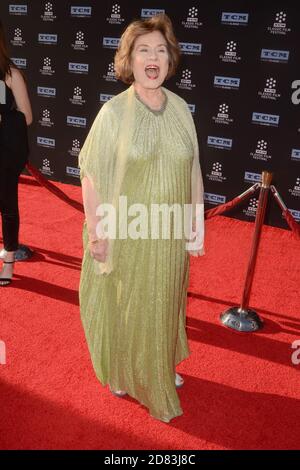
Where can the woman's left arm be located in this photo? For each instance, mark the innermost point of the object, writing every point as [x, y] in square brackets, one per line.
[19, 89]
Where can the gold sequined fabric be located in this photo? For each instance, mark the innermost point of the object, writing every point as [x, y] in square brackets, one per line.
[134, 317]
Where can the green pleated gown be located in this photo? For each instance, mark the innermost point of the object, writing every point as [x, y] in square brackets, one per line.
[134, 318]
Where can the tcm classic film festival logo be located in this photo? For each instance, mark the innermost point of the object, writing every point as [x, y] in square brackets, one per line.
[269, 91]
[17, 40]
[47, 68]
[48, 14]
[45, 168]
[75, 148]
[45, 120]
[230, 54]
[261, 152]
[216, 173]
[192, 19]
[251, 209]
[279, 25]
[79, 43]
[110, 75]
[295, 190]
[77, 97]
[223, 116]
[115, 15]
[186, 82]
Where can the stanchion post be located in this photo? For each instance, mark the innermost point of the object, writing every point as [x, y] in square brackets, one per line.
[242, 318]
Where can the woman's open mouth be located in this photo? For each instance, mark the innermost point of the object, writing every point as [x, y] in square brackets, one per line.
[152, 72]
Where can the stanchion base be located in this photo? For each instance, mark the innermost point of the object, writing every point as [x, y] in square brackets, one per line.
[241, 320]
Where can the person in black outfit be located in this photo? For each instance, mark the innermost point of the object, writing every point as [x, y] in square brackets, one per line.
[15, 116]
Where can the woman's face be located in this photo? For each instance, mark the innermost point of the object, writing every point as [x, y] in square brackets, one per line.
[150, 60]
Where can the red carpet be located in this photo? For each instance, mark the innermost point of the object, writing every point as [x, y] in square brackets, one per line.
[241, 390]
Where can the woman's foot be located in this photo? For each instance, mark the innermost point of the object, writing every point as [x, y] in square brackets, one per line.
[178, 380]
[6, 273]
[118, 393]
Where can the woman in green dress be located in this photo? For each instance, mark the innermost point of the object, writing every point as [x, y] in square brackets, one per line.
[141, 149]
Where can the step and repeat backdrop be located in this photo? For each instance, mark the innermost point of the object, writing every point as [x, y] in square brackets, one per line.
[239, 74]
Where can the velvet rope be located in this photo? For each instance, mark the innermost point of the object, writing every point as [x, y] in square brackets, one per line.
[294, 226]
[230, 204]
[52, 188]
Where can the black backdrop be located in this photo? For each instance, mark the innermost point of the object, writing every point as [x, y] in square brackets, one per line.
[239, 73]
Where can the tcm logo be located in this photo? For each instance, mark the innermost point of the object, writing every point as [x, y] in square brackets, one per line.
[46, 91]
[81, 11]
[20, 62]
[295, 214]
[235, 18]
[219, 142]
[266, 119]
[47, 38]
[296, 94]
[273, 55]
[70, 170]
[230, 82]
[214, 198]
[17, 9]
[111, 43]
[104, 97]
[190, 48]
[78, 68]
[295, 154]
[149, 12]
[252, 177]
[45, 142]
[76, 121]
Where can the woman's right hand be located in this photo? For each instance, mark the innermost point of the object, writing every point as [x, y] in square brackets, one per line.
[99, 249]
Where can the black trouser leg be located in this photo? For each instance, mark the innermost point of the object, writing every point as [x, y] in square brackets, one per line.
[9, 209]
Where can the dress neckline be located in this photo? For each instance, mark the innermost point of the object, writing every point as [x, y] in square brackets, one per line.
[154, 111]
